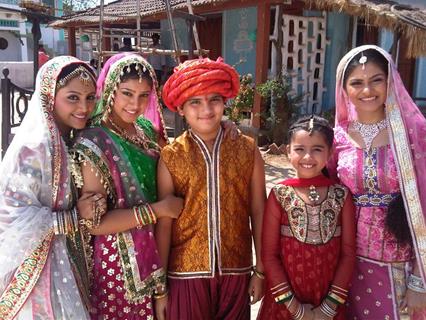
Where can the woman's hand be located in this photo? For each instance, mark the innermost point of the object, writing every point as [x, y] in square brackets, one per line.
[231, 129]
[89, 203]
[170, 207]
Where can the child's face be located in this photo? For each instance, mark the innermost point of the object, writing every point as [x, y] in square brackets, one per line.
[308, 154]
[203, 113]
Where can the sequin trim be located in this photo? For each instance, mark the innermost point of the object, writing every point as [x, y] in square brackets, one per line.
[408, 182]
[374, 200]
[312, 224]
[86, 150]
[24, 279]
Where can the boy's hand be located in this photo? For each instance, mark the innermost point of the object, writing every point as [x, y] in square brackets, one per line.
[256, 289]
[161, 308]
[231, 129]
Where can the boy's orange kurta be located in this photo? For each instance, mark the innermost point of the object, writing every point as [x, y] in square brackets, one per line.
[213, 230]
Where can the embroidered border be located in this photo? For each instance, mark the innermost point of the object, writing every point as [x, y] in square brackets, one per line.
[136, 289]
[213, 197]
[408, 181]
[85, 150]
[374, 200]
[24, 279]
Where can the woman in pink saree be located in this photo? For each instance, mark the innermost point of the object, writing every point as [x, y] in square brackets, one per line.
[380, 155]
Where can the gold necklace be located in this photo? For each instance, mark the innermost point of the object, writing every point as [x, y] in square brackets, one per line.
[140, 139]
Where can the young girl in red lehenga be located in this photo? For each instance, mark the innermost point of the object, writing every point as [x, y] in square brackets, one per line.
[308, 241]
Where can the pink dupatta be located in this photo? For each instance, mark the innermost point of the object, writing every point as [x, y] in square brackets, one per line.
[407, 132]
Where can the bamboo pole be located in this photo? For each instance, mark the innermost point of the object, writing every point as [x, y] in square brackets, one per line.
[101, 34]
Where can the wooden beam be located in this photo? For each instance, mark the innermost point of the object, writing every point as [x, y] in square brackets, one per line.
[262, 55]
[72, 48]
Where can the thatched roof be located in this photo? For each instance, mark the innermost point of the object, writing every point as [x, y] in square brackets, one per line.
[122, 11]
[389, 14]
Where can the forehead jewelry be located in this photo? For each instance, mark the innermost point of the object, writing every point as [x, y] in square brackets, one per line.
[311, 125]
[363, 60]
[81, 73]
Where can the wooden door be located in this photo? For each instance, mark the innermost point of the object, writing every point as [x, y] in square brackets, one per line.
[210, 34]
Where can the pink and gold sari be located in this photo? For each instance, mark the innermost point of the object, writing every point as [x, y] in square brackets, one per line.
[379, 282]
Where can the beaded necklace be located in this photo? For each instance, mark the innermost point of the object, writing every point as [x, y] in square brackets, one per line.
[369, 131]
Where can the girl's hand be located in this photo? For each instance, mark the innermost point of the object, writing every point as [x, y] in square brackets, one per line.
[89, 202]
[319, 315]
[413, 301]
[309, 313]
[256, 289]
[231, 129]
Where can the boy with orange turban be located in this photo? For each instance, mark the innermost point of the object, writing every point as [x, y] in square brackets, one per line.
[208, 249]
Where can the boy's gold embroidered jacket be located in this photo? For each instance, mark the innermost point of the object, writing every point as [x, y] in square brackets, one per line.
[213, 231]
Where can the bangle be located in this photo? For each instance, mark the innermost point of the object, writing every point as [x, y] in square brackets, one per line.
[327, 310]
[144, 215]
[284, 297]
[300, 312]
[416, 284]
[333, 297]
[158, 296]
[257, 273]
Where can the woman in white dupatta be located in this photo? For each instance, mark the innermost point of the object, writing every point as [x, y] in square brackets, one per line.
[43, 265]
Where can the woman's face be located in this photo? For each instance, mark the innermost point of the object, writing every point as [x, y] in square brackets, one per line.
[130, 101]
[366, 88]
[73, 105]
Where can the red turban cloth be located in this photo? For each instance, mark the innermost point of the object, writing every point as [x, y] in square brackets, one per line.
[200, 77]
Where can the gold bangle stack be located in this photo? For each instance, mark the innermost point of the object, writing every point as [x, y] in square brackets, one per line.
[65, 222]
[144, 215]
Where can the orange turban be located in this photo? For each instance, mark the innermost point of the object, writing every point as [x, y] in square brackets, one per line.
[199, 77]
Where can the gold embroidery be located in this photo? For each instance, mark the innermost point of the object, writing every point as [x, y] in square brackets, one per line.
[312, 224]
[408, 180]
[24, 279]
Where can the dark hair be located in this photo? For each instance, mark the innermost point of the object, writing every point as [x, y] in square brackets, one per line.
[313, 124]
[396, 221]
[135, 72]
[127, 41]
[319, 124]
[71, 67]
[372, 56]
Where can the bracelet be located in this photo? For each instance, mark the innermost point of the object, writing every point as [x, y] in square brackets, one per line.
[416, 284]
[284, 297]
[144, 215]
[333, 297]
[327, 310]
[257, 273]
[300, 312]
[65, 222]
[161, 295]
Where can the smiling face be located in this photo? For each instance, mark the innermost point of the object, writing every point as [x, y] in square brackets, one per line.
[130, 101]
[73, 105]
[366, 87]
[308, 154]
[204, 113]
